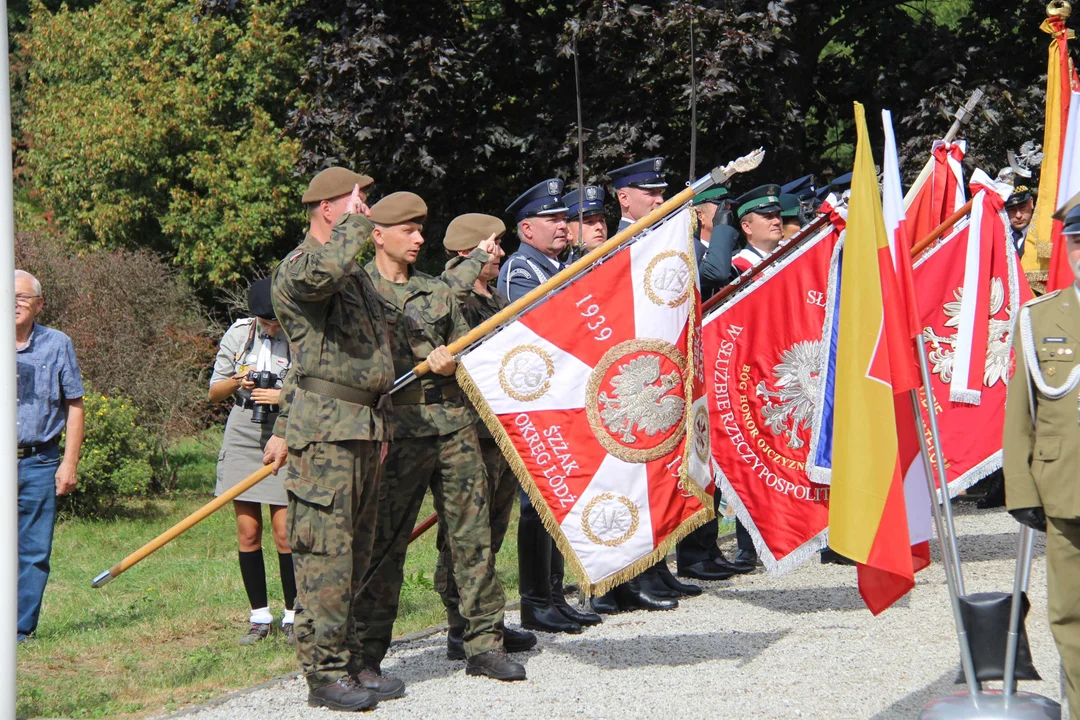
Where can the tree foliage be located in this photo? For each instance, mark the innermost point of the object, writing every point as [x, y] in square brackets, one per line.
[151, 125]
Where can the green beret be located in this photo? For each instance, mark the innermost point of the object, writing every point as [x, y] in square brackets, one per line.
[333, 183]
[467, 231]
[712, 195]
[397, 208]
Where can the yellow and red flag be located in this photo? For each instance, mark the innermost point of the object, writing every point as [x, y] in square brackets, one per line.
[874, 362]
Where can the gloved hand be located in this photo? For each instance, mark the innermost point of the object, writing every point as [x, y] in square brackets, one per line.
[723, 217]
[1033, 517]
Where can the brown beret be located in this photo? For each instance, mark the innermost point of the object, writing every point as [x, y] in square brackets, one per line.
[333, 183]
[399, 207]
[467, 231]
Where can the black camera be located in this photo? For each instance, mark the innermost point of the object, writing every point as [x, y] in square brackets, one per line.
[264, 380]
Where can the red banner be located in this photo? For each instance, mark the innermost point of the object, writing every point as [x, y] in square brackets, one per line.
[764, 357]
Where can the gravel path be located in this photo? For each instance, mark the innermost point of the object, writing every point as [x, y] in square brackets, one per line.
[803, 646]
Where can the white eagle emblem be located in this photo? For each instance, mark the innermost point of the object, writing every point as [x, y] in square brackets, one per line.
[640, 400]
[554, 187]
[658, 163]
[798, 378]
[590, 193]
[999, 338]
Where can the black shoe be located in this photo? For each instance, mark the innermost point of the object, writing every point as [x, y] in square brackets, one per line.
[384, 686]
[726, 565]
[831, 557]
[515, 640]
[652, 583]
[605, 604]
[558, 595]
[632, 596]
[707, 570]
[345, 694]
[495, 664]
[664, 573]
[538, 611]
[455, 644]
[995, 493]
[746, 558]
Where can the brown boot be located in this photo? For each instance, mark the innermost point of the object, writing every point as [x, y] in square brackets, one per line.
[385, 687]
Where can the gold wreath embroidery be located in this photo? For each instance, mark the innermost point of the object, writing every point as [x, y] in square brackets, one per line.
[530, 376]
[610, 519]
[670, 277]
[641, 410]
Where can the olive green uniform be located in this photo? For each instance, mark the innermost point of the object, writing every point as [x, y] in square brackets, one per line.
[342, 364]
[1042, 460]
[460, 274]
[434, 445]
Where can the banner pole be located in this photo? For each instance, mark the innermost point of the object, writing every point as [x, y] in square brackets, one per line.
[940, 229]
[1020, 583]
[967, 661]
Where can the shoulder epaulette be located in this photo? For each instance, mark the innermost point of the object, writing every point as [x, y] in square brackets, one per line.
[1041, 298]
[242, 322]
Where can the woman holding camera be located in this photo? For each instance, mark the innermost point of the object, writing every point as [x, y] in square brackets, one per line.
[251, 362]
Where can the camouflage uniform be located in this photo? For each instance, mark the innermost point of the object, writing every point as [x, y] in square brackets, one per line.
[435, 444]
[460, 274]
[342, 364]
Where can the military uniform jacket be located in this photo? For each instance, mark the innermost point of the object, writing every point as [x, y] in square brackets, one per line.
[335, 323]
[1042, 460]
[526, 270]
[421, 315]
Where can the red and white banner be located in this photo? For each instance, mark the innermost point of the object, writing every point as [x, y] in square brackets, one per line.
[764, 358]
[939, 277]
[596, 402]
[938, 192]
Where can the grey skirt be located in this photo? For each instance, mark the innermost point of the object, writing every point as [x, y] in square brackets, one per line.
[242, 453]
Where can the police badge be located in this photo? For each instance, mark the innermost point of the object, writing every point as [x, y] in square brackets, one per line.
[554, 186]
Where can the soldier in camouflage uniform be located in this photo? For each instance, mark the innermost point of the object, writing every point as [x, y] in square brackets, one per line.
[473, 244]
[434, 445]
[330, 430]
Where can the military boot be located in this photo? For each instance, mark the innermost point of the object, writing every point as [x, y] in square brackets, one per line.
[538, 611]
[664, 573]
[495, 664]
[606, 604]
[558, 595]
[632, 596]
[384, 686]
[345, 694]
[514, 640]
[651, 582]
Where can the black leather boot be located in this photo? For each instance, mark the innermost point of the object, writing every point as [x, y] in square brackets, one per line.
[558, 595]
[495, 664]
[538, 611]
[514, 640]
[664, 573]
[652, 583]
[345, 694]
[632, 596]
[605, 604]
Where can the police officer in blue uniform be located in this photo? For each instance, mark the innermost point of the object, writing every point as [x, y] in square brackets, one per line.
[540, 216]
[585, 220]
[639, 189]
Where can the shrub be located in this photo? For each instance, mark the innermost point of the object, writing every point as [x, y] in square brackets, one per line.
[115, 459]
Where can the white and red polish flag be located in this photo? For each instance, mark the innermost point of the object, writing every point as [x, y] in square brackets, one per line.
[938, 192]
[596, 398]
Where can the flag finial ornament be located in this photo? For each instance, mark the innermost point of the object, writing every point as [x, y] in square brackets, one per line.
[1059, 8]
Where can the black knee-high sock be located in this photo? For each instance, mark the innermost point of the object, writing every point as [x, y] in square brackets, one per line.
[288, 580]
[253, 572]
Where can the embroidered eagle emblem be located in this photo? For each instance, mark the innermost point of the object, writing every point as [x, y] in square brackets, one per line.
[641, 401]
[790, 408]
[999, 338]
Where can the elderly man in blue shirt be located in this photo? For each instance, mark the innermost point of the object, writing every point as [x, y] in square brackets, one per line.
[50, 396]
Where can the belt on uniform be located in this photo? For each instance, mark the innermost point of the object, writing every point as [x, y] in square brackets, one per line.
[249, 403]
[26, 451]
[338, 391]
[418, 395]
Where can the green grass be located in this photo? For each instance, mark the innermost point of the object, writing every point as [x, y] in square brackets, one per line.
[164, 634]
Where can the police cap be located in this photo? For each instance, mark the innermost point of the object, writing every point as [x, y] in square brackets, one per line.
[801, 188]
[644, 174]
[587, 202]
[713, 195]
[397, 208]
[467, 231]
[764, 199]
[790, 207]
[333, 183]
[541, 199]
[258, 300]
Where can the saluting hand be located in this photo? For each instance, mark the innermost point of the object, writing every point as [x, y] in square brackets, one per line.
[442, 362]
[356, 204]
[488, 245]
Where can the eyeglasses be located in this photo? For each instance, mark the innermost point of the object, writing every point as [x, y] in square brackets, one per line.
[25, 299]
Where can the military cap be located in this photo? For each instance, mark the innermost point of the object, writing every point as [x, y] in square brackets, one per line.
[541, 199]
[644, 174]
[840, 184]
[591, 204]
[764, 199]
[258, 300]
[397, 208]
[713, 195]
[803, 187]
[467, 231]
[790, 207]
[334, 182]
[1020, 195]
[1069, 205]
[1072, 222]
